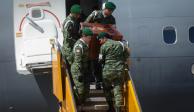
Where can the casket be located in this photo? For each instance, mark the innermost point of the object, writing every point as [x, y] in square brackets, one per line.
[94, 46]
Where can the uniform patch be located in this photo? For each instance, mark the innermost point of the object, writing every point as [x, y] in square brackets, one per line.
[100, 57]
[78, 51]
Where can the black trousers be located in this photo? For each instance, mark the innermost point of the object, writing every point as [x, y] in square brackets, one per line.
[96, 71]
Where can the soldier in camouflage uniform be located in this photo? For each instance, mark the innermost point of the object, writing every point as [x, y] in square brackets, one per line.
[79, 68]
[102, 17]
[113, 54]
[70, 33]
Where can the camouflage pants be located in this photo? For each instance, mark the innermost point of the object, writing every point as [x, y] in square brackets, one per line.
[67, 54]
[81, 82]
[113, 80]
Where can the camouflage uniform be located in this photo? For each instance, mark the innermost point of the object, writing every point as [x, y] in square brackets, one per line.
[98, 17]
[71, 35]
[79, 69]
[113, 54]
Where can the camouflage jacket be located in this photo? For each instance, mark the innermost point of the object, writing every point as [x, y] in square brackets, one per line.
[81, 56]
[114, 54]
[98, 17]
[70, 33]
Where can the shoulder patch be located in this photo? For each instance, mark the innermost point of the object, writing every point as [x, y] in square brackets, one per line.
[95, 13]
[78, 49]
[122, 45]
[66, 23]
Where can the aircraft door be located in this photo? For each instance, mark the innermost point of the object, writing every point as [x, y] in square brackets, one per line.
[37, 32]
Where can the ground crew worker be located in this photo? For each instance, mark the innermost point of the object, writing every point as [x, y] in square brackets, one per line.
[113, 54]
[103, 17]
[70, 33]
[79, 68]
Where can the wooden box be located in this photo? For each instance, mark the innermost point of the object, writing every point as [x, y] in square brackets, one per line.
[98, 28]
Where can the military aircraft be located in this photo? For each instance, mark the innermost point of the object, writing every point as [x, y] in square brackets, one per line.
[160, 36]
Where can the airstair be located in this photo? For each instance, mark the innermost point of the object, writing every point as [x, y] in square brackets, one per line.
[96, 102]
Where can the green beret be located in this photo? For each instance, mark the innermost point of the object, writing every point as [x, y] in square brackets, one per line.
[103, 35]
[76, 9]
[110, 5]
[87, 32]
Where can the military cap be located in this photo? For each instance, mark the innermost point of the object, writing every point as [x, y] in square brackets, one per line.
[87, 32]
[110, 5]
[103, 35]
[75, 9]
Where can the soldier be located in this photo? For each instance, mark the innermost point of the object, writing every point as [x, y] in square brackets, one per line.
[70, 33]
[79, 68]
[103, 17]
[113, 55]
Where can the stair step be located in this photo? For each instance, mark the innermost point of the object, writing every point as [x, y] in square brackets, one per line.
[93, 86]
[96, 99]
[94, 108]
[101, 107]
[94, 92]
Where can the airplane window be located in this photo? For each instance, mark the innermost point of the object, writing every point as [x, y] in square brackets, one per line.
[169, 35]
[36, 13]
[191, 34]
[192, 69]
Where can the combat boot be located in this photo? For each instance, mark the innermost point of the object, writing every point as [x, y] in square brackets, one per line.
[111, 107]
[98, 86]
[118, 109]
